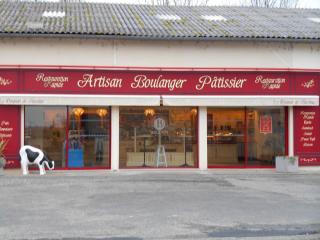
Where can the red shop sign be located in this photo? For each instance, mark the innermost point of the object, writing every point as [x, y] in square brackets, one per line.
[135, 82]
[265, 124]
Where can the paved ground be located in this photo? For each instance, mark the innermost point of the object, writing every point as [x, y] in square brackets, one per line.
[136, 205]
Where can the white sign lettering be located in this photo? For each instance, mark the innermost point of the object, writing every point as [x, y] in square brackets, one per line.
[270, 83]
[5, 129]
[308, 84]
[220, 82]
[4, 81]
[51, 81]
[99, 82]
[142, 81]
[308, 137]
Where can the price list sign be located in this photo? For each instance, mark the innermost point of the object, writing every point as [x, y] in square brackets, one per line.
[307, 141]
[10, 132]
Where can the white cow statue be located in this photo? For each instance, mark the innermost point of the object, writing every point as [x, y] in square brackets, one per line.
[31, 155]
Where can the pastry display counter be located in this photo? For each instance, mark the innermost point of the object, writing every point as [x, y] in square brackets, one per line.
[149, 158]
[223, 153]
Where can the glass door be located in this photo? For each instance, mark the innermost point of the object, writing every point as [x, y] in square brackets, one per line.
[89, 137]
[226, 139]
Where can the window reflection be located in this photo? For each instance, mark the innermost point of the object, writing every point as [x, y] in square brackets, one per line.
[88, 134]
[45, 128]
[157, 137]
[245, 137]
[266, 135]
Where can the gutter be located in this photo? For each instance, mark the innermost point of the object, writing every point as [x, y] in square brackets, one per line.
[146, 38]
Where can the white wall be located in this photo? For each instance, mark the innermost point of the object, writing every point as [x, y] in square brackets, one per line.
[159, 53]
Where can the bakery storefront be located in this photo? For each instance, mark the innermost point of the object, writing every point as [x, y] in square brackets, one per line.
[132, 118]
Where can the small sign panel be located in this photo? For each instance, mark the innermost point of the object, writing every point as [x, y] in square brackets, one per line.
[265, 124]
[159, 124]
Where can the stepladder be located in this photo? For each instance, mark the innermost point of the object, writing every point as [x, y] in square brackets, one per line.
[161, 159]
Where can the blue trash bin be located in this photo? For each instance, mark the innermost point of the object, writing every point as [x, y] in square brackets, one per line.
[75, 158]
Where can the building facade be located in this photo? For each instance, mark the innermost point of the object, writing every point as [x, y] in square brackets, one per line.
[121, 103]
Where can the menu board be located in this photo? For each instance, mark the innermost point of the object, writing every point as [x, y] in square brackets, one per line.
[307, 131]
[10, 131]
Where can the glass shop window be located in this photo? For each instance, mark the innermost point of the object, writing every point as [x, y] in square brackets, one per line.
[245, 136]
[158, 137]
[45, 128]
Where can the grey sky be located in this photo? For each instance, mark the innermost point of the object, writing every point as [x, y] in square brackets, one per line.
[302, 3]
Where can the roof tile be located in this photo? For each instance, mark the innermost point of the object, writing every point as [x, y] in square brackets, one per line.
[111, 20]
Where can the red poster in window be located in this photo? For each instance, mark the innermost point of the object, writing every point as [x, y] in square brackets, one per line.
[266, 124]
[10, 131]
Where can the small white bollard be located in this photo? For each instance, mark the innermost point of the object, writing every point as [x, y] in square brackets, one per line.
[287, 164]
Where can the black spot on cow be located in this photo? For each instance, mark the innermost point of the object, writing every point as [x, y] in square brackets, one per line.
[50, 163]
[45, 158]
[31, 155]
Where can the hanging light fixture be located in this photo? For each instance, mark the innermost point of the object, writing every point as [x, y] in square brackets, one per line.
[149, 112]
[78, 111]
[102, 112]
[194, 111]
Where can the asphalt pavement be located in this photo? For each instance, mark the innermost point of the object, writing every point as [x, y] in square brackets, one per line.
[160, 204]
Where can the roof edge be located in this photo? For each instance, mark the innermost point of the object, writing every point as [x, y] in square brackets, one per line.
[127, 37]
